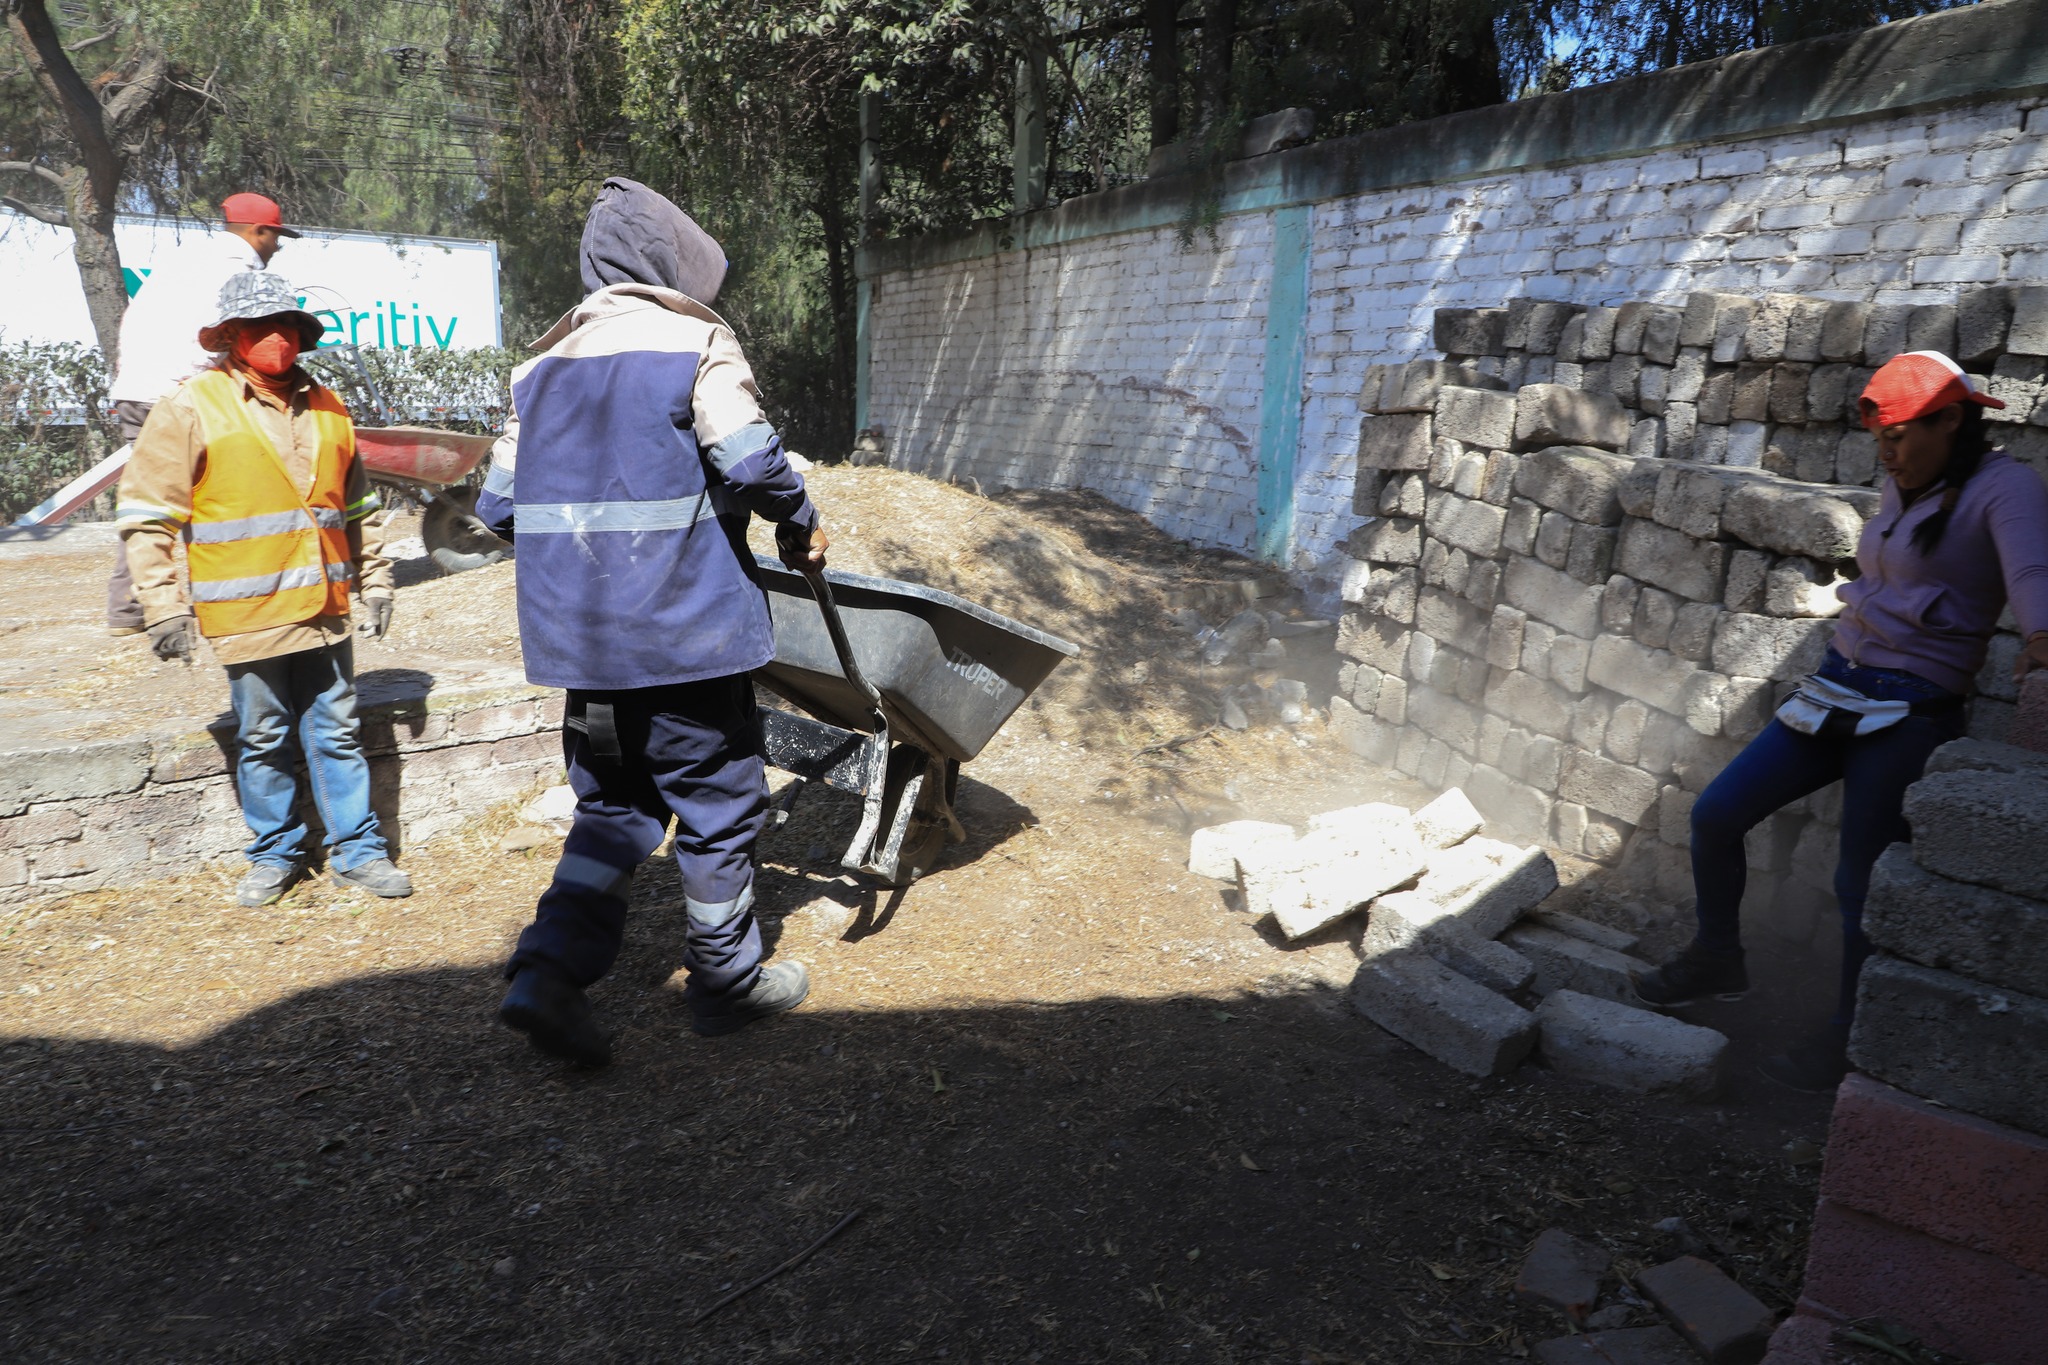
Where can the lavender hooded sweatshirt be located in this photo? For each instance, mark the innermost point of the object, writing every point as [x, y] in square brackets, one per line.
[1933, 615]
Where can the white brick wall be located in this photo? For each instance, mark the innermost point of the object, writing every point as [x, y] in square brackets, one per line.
[1132, 366]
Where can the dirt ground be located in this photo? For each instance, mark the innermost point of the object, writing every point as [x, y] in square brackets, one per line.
[1082, 1109]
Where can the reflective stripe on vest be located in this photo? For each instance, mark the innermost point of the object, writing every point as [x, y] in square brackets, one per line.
[664, 514]
[262, 554]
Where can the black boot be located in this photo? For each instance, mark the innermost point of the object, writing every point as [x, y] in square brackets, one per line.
[1815, 1066]
[551, 1011]
[1694, 975]
[778, 989]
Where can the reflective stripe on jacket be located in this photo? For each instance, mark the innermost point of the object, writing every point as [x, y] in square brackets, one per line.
[260, 554]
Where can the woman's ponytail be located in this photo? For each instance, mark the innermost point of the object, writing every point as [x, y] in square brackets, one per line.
[1972, 444]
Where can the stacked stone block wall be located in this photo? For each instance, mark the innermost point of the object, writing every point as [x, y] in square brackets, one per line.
[116, 813]
[1557, 605]
[1070, 349]
[1934, 1194]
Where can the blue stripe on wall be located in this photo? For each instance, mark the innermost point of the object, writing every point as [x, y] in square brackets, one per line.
[1280, 396]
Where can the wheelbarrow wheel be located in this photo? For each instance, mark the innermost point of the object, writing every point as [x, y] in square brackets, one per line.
[455, 538]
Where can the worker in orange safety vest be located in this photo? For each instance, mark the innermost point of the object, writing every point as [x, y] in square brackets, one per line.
[254, 465]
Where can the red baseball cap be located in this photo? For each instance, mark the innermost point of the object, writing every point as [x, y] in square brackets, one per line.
[1914, 385]
[257, 210]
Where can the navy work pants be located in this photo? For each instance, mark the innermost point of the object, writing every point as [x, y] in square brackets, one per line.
[1781, 765]
[691, 753]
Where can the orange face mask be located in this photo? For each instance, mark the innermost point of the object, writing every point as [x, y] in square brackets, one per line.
[268, 348]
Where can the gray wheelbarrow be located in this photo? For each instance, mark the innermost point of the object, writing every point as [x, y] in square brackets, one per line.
[902, 685]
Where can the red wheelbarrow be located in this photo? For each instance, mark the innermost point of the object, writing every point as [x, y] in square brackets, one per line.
[430, 465]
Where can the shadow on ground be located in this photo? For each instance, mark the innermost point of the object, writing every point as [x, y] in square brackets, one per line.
[377, 1171]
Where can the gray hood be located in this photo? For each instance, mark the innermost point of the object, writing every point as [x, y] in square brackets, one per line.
[636, 236]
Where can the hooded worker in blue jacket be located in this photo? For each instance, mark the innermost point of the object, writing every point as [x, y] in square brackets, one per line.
[635, 454]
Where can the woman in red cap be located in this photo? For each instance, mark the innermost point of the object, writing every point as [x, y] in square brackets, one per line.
[1962, 530]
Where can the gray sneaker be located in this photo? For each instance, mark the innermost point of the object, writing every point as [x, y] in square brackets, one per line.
[265, 884]
[378, 877]
[779, 989]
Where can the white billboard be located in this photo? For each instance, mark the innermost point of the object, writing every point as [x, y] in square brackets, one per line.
[376, 291]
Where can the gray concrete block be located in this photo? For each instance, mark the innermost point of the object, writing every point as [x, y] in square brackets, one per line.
[1553, 415]
[1932, 327]
[1981, 1049]
[1717, 396]
[1470, 331]
[1827, 393]
[1884, 333]
[1653, 553]
[1731, 327]
[1552, 596]
[1597, 340]
[1504, 636]
[1696, 322]
[1497, 484]
[1484, 962]
[1536, 325]
[1792, 520]
[1479, 417]
[1662, 325]
[1651, 676]
[1788, 397]
[1592, 553]
[1482, 585]
[1618, 601]
[1213, 852]
[1387, 540]
[1466, 524]
[1615, 789]
[1803, 330]
[1580, 482]
[1750, 399]
[1692, 631]
[1769, 647]
[1597, 1038]
[1688, 498]
[2028, 331]
[1518, 531]
[1415, 386]
[1404, 495]
[1799, 587]
[1637, 490]
[1618, 940]
[1510, 805]
[1383, 644]
[1566, 963]
[1989, 828]
[1402, 441]
[71, 771]
[1856, 458]
[1457, 1021]
[1984, 756]
[1748, 581]
[1629, 321]
[1449, 619]
[1841, 335]
[1531, 703]
[1554, 539]
[1986, 935]
[1765, 337]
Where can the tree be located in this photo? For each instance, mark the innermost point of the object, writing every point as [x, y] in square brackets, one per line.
[90, 134]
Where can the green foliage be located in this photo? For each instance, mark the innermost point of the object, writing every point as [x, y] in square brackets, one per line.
[454, 390]
[54, 423]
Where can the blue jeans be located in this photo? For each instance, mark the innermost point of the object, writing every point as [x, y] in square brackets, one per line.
[1781, 765]
[294, 705]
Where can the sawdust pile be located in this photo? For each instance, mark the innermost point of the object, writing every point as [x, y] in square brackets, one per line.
[1069, 562]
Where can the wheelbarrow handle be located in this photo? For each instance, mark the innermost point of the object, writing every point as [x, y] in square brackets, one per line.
[841, 646]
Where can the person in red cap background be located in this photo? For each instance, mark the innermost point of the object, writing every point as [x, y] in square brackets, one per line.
[159, 349]
[1962, 530]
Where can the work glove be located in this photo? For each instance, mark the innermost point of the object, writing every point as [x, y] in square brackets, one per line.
[801, 550]
[175, 637]
[376, 616]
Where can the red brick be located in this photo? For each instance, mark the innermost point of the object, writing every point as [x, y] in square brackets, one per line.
[1952, 1298]
[1954, 1176]
[1721, 1320]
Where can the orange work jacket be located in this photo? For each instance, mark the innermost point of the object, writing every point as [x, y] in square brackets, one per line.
[259, 553]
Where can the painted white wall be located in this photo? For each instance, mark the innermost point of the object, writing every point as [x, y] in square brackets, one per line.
[1132, 366]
